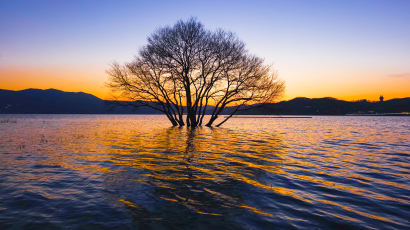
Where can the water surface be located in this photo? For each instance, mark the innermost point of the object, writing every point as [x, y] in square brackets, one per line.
[136, 172]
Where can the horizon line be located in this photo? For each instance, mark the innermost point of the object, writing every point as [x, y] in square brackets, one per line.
[329, 97]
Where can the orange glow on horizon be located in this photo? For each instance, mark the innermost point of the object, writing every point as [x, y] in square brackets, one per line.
[92, 80]
[87, 80]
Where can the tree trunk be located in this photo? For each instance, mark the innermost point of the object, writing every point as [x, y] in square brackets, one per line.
[211, 120]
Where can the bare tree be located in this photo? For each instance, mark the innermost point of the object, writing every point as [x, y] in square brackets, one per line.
[186, 72]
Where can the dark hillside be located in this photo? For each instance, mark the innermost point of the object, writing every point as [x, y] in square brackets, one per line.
[52, 101]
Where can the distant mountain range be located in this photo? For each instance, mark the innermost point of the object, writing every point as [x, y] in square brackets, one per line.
[332, 106]
[52, 101]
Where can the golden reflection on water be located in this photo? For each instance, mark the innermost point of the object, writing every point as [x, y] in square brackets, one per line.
[289, 159]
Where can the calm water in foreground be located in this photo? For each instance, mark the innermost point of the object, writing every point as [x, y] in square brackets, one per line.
[136, 172]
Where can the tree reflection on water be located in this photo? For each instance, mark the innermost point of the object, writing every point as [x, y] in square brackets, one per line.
[183, 174]
[83, 171]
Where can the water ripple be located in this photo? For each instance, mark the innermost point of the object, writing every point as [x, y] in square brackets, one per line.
[104, 172]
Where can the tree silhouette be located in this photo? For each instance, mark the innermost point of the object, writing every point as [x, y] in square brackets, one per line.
[186, 71]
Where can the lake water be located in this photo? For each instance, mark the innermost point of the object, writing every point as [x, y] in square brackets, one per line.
[136, 172]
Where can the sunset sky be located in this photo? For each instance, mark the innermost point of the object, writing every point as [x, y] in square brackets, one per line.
[344, 49]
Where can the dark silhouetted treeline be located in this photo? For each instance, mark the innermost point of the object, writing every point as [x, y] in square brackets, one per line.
[52, 101]
[331, 106]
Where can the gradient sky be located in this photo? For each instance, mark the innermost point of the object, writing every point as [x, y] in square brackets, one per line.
[345, 49]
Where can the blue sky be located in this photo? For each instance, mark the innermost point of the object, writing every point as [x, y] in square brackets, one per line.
[344, 49]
